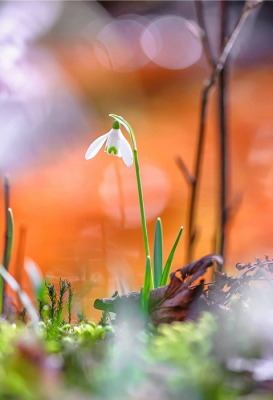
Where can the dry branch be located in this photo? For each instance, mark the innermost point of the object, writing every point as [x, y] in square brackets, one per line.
[208, 85]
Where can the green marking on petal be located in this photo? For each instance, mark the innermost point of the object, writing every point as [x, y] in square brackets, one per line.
[115, 124]
[111, 150]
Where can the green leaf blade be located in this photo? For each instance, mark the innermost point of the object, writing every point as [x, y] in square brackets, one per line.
[9, 239]
[7, 253]
[24, 298]
[158, 253]
[167, 268]
[10, 236]
[36, 279]
[148, 285]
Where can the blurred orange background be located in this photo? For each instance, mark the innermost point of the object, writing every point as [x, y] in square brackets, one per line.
[81, 217]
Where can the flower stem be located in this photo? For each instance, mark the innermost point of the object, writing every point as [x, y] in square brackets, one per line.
[140, 194]
[141, 203]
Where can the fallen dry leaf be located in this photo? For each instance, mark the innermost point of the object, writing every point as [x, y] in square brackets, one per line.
[174, 302]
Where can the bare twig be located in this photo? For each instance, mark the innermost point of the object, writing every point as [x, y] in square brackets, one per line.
[249, 268]
[185, 172]
[19, 259]
[232, 209]
[208, 84]
[223, 134]
[199, 7]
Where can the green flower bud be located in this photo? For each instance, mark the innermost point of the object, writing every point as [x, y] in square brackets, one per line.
[115, 124]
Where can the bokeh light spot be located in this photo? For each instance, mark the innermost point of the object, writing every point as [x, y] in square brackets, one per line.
[119, 195]
[171, 42]
[118, 46]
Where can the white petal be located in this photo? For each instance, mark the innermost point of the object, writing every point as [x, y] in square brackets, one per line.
[114, 141]
[126, 151]
[94, 147]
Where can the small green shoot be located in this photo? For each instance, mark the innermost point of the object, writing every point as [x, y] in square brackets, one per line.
[36, 279]
[148, 285]
[167, 268]
[158, 253]
[105, 314]
[25, 300]
[56, 303]
[9, 238]
[69, 301]
[52, 297]
[8, 241]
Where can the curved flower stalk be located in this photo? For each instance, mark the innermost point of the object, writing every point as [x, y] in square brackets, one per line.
[129, 129]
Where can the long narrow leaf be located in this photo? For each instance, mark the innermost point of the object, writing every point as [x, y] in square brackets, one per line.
[7, 253]
[9, 237]
[167, 268]
[148, 285]
[1, 294]
[25, 300]
[36, 279]
[158, 253]
[141, 299]
[8, 240]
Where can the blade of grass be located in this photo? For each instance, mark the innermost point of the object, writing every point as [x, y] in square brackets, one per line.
[25, 300]
[167, 268]
[7, 256]
[8, 241]
[158, 253]
[148, 285]
[20, 255]
[36, 279]
[1, 295]
[7, 221]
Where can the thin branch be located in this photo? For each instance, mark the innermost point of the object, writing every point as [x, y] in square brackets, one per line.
[20, 255]
[223, 133]
[199, 8]
[193, 195]
[185, 172]
[249, 268]
[232, 209]
[208, 84]
[266, 279]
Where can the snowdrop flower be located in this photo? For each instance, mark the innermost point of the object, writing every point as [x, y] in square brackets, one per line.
[116, 144]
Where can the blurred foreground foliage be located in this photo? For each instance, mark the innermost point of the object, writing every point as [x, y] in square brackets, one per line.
[221, 356]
